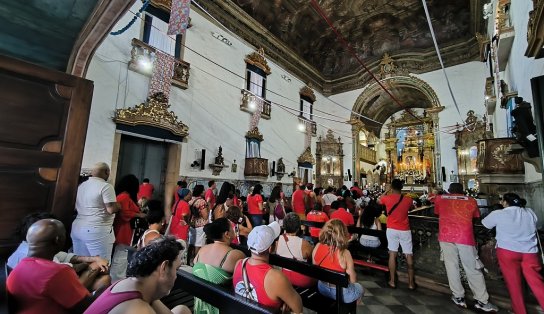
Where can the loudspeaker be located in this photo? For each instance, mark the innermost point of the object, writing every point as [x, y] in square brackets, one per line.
[349, 175]
[203, 160]
[444, 174]
[537, 85]
[273, 170]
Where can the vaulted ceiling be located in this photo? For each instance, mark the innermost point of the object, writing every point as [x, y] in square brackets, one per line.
[57, 34]
[297, 37]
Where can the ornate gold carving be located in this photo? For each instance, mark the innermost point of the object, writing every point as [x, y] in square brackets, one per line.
[257, 59]
[154, 112]
[306, 156]
[482, 42]
[495, 157]
[308, 92]
[255, 134]
[535, 30]
[162, 4]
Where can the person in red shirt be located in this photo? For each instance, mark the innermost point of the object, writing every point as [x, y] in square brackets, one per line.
[181, 215]
[456, 236]
[126, 190]
[255, 205]
[146, 190]
[267, 285]
[180, 185]
[398, 231]
[342, 214]
[299, 201]
[316, 215]
[209, 196]
[37, 284]
[357, 189]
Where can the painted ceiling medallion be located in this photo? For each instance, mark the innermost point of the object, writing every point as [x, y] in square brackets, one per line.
[154, 112]
[306, 157]
[307, 92]
[257, 59]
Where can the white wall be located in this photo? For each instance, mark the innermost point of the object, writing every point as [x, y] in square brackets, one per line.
[210, 106]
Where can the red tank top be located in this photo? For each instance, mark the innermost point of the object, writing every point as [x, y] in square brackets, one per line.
[256, 275]
[108, 300]
[298, 202]
[325, 258]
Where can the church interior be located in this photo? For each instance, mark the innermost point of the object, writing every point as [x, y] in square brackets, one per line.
[324, 93]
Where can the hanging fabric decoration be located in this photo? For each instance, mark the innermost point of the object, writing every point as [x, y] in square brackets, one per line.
[308, 135]
[179, 17]
[256, 116]
[161, 79]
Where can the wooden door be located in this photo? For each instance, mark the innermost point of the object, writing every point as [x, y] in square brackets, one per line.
[43, 124]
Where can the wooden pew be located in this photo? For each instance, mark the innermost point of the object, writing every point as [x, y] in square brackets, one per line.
[360, 254]
[311, 298]
[188, 286]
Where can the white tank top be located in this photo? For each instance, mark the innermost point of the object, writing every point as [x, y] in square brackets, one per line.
[290, 249]
[141, 240]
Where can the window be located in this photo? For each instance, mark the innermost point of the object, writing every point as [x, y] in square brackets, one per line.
[256, 81]
[253, 148]
[306, 109]
[155, 31]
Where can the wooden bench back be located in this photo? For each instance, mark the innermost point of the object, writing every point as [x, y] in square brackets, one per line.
[225, 299]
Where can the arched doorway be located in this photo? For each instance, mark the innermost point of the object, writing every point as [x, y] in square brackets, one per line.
[377, 105]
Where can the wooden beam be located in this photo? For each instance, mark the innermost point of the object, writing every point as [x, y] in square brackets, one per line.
[105, 15]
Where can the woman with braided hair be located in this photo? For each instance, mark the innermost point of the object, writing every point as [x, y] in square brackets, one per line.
[332, 253]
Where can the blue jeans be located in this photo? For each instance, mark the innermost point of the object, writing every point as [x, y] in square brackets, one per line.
[256, 220]
[350, 294]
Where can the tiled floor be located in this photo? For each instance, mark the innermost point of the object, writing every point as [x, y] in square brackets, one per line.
[383, 300]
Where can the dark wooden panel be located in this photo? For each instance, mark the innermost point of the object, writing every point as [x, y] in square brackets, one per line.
[33, 108]
[43, 124]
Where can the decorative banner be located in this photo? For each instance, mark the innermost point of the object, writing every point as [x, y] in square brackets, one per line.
[257, 114]
[179, 17]
[308, 135]
[161, 79]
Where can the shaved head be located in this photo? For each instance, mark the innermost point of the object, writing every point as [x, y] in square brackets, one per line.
[45, 238]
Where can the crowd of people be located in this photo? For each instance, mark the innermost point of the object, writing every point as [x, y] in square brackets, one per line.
[121, 265]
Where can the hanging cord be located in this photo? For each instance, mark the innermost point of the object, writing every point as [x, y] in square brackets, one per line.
[440, 56]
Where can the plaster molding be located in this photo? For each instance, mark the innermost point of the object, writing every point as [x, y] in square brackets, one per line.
[105, 15]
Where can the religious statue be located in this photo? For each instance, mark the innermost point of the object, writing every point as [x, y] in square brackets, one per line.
[219, 160]
[524, 127]
[281, 166]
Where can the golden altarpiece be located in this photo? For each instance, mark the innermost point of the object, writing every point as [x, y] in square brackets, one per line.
[410, 145]
[330, 161]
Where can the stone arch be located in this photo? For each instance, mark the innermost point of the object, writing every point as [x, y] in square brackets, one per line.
[375, 103]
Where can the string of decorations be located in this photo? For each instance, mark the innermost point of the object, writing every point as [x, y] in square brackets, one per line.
[134, 18]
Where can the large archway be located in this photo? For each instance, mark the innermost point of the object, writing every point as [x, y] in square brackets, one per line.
[377, 106]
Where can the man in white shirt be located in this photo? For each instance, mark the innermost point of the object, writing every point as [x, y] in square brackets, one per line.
[96, 205]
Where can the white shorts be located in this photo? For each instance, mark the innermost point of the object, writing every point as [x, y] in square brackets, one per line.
[197, 237]
[398, 237]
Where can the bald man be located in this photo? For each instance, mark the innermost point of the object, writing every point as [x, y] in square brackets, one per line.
[96, 205]
[39, 285]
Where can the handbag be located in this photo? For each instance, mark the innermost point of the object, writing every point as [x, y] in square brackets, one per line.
[394, 206]
[278, 210]
[246, 289]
